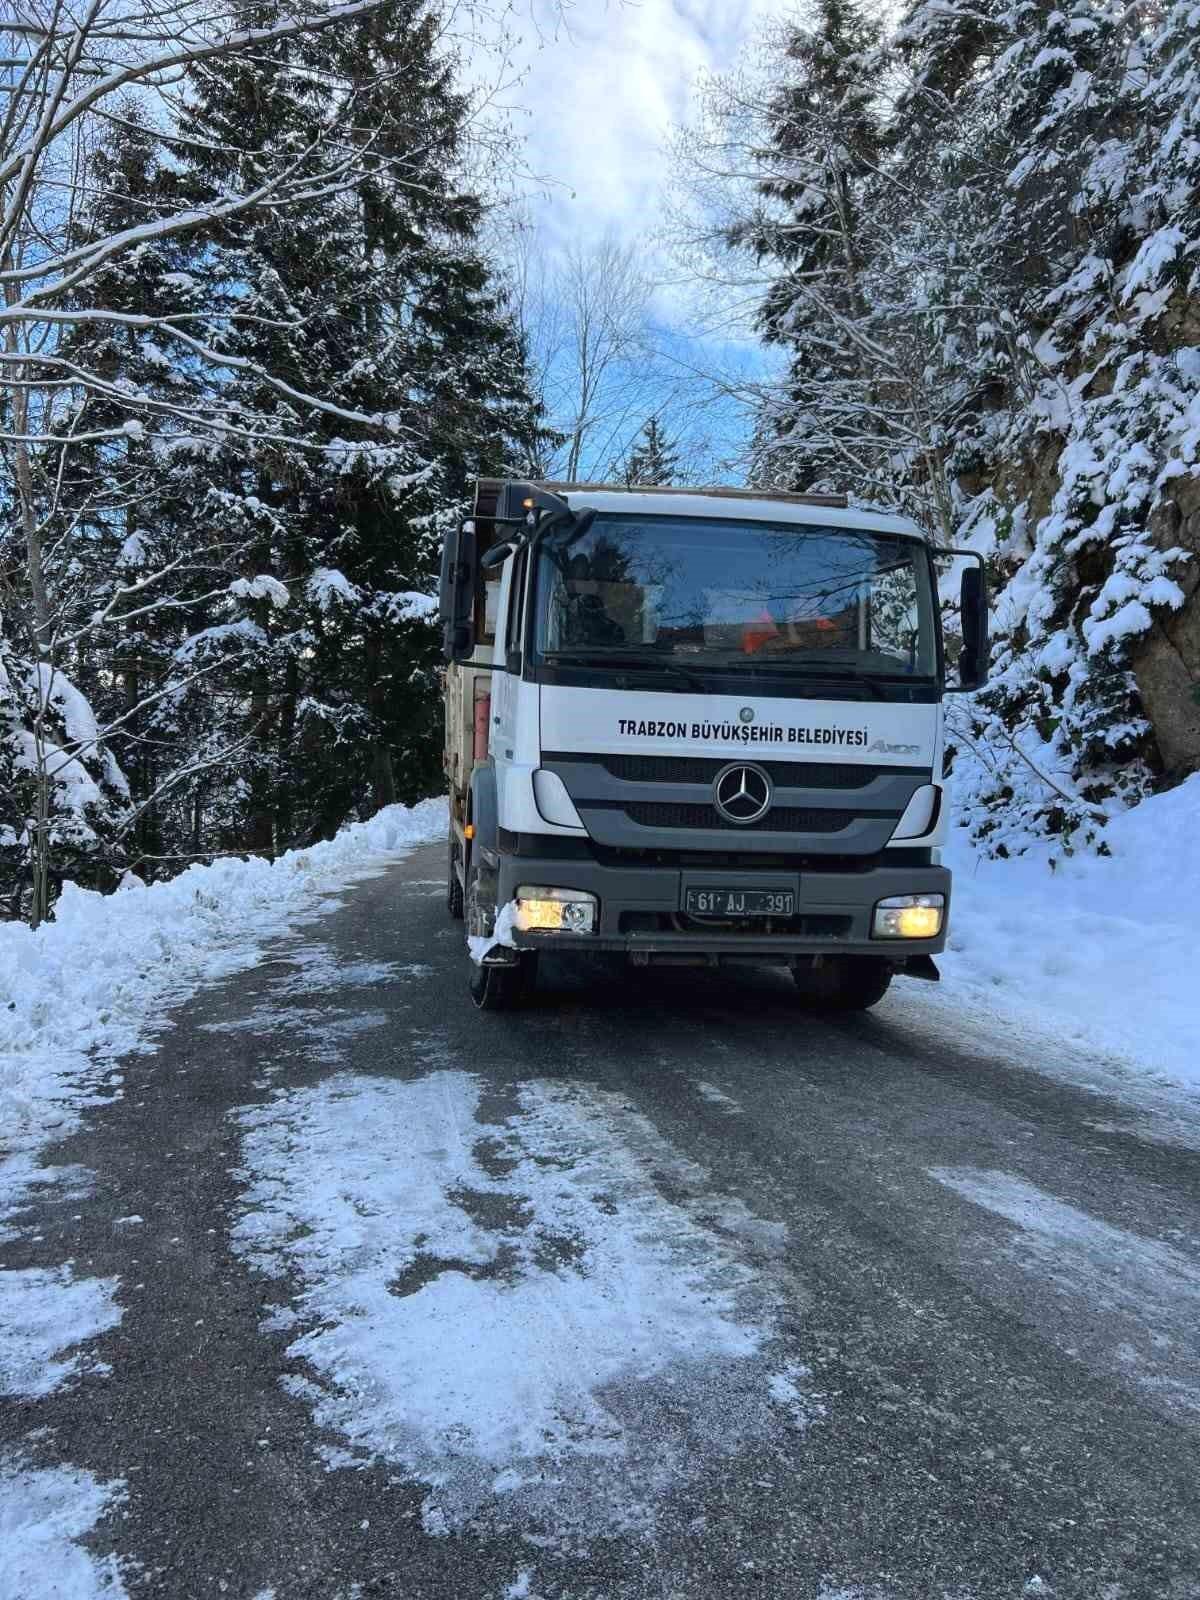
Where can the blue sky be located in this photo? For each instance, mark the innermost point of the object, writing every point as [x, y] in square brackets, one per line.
[606, 85]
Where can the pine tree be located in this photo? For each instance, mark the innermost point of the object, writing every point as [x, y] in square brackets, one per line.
[1022, 225]
[138, 503]
[654, 460]
[825, 140]
[376, 296]
[1079, 221]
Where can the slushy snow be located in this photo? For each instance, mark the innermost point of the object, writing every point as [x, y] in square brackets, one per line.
[44, 1511]
[44, 1312]
[436, 1239]
[1148, 1291]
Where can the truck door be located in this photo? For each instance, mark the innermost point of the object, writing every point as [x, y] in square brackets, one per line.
[507, 673]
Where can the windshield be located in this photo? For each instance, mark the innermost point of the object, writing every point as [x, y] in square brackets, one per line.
[756, 595]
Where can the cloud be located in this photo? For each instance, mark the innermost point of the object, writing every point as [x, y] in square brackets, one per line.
[605, 87]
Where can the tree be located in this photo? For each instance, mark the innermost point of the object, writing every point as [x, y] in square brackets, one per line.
[790, 174]
[227, 462]
[375, 294]
[653, 460]
[974, 243]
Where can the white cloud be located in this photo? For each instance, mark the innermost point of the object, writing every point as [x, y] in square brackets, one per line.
[605, 88]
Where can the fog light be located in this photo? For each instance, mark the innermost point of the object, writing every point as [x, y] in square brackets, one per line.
[555, 910]
[909, 916]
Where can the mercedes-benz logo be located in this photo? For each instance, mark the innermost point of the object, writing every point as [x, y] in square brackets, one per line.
[742, 793]
[746, 714]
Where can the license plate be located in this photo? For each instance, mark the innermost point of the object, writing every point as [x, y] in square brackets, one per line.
[740, 902]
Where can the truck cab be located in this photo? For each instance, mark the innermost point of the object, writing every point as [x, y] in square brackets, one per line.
[698, 727]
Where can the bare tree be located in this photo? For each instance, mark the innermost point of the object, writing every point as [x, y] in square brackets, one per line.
[597, 353]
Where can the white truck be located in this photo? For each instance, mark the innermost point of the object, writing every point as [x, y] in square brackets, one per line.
[698, 727]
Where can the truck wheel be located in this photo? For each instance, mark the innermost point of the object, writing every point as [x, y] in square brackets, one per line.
[454, 888]
[843, 983]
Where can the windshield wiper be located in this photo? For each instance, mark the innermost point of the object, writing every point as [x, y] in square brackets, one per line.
[801, 667]
[619, 656]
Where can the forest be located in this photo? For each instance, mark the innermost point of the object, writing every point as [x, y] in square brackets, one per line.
[264, 321]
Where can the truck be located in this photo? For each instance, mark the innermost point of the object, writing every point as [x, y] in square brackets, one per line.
[700, 727]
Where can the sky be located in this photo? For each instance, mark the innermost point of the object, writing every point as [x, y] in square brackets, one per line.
[608, 81]
[605, 84]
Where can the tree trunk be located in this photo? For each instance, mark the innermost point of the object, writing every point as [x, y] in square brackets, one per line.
[260, 831]
[285, 798]
[383, 777]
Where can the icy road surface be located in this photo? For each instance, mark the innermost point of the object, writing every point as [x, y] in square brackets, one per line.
[660, 1288]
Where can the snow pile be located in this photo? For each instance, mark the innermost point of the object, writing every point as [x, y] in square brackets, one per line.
[435, 1248]
[43, 1512]
[1100, 950]
[95, 981]
[43, 1312]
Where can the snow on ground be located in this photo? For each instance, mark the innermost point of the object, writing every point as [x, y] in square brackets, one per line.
[96, 981]
[90, 985]
[433, 1256]
[1099, 952]
[716, 1097]
[1148, 1290]
[43, 1513]
[44, 1311]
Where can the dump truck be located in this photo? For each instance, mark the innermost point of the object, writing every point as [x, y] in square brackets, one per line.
[699, 727]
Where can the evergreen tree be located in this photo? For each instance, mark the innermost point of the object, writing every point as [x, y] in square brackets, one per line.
[654, 460]
[151, 545]
[825, 142]
[374, 294]
[1077, 220]
[988, 294]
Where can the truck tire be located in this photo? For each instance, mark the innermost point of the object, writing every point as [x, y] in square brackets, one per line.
[454, 888]
[843, 983]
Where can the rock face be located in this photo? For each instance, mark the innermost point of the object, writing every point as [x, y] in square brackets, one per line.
[1167, 664]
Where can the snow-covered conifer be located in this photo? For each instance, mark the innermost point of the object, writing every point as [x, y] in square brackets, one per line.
[654, 459]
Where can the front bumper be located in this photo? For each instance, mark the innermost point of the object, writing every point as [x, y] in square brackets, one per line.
[640, 909]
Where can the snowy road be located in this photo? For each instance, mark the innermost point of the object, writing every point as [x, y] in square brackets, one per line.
[659, 1288]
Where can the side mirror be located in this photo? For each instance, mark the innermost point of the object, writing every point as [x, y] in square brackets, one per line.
[456, 595]
[497, 555]
[973, 610]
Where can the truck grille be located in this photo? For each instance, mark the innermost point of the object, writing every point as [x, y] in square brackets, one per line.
[692, 769]
[780, 819]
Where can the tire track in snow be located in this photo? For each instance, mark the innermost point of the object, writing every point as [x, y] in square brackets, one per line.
[1149, 1291]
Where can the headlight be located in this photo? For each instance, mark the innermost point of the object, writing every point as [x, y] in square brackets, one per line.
[909, 916]
[542, 910]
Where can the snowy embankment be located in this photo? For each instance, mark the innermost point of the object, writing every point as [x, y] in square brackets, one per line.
[95, 982]
[89, 986]
[1100, 951]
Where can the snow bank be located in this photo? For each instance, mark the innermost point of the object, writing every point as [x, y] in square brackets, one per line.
[95, 982]
[1100, 951]
[90, 985]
